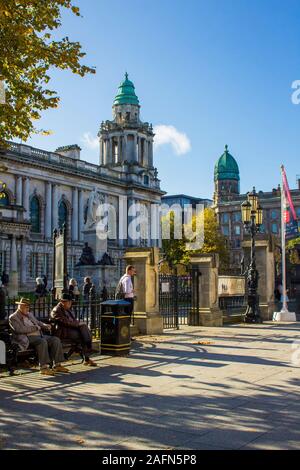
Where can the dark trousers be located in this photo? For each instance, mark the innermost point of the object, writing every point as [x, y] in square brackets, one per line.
[129, 309]
[82, 336]
[48, 348]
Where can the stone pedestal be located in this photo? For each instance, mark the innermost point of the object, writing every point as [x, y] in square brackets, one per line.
[146, 286]
[98, 245]
[13, 285]
[284, 316]
[209, 312]
[265, 264]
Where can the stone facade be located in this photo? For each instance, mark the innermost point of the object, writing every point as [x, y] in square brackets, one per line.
[44, 189]
[227, 204]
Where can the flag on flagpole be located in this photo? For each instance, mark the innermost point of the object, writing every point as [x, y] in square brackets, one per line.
[289, 213]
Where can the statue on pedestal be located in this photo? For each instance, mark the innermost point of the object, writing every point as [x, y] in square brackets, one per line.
[90, 212]
[106, 260]
[87, 258]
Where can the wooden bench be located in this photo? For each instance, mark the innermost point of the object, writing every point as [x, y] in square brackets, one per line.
[14, 356]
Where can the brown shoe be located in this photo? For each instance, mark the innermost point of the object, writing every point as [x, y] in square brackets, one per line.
[47, 372]
[60, 369]
[90, 363]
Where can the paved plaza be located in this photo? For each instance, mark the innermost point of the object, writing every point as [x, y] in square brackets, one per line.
[233, 387]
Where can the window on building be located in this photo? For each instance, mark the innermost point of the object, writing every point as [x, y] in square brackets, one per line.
[237, 230]
[4, 199]
[35, 215]
[2, 262]
[274, 214]
[33, 269]
[262, 228]
[225, 230]
[115, 149]
[62, 214]
[225, 218]
[46, 265]
[146, 180]
[237, 216]
[238, 243]
[274, 228]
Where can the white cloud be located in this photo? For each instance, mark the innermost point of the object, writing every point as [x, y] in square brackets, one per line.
[170, 135]
[90, 141]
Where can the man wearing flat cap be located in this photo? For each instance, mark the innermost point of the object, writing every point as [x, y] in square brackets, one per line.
[28, 331]
[68, 327]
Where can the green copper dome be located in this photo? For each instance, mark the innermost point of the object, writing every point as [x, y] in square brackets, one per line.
[126, 93]
[226, 167]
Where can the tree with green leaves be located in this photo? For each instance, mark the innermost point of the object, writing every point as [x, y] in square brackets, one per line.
[175, 250]
[28, 51]
[214, 241]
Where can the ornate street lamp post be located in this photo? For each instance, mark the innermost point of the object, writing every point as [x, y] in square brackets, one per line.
[2, 189]
[252, 220]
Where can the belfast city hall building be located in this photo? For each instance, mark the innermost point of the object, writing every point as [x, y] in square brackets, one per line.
[42, 190]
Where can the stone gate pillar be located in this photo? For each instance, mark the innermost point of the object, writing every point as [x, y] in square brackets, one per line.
[208, 266]
[265, 263]
[147, 318]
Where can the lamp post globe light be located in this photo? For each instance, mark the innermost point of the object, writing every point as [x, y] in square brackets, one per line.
[252, 215]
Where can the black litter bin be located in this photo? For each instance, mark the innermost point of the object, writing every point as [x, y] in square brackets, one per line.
[115, 328]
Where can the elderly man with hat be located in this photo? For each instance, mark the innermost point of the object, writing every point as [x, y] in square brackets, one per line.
[28, 331]
[68, 327]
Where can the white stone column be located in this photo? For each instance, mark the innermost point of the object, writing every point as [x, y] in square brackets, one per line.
[23, 277]
[75, 214]
[55, 207]
[124, 156]
[13, 255]
[135, 156]
[81, 215]
[19, 187]
[101, 151]
[110, 156]
[146, 152]
[48, 210]
[26, 198]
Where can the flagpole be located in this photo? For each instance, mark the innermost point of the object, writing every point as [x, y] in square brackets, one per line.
[283, 259]
[284, 314]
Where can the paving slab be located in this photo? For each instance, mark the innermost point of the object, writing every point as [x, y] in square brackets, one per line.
[234, 387]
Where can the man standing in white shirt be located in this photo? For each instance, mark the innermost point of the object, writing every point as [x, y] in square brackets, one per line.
[127, 287]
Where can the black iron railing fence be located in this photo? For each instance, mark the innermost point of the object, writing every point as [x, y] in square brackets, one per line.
[87, 310]
[179, 299]
[232, 303]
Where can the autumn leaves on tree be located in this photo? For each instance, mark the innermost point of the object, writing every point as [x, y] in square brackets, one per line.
[28, 52]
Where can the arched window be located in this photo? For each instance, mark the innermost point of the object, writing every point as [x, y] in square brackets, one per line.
[62, 214]
[4, 199]
[35, 216]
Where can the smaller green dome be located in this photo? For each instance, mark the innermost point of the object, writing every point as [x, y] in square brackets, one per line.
[226, 167]
[126, 93]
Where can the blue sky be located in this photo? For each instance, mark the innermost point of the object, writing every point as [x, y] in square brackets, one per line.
[218, 71]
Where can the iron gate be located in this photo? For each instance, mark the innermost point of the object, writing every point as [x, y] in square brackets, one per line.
[179, 299]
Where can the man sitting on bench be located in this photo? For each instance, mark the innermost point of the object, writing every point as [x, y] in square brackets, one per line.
[27, 331]
[68, 328]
